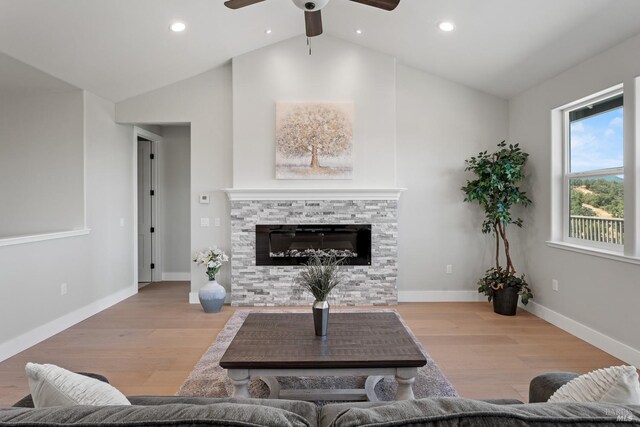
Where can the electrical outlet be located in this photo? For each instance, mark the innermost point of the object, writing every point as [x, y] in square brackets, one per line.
[63, 289]
[204, 222]
[554, 285]
[449, 269]
[216, 222]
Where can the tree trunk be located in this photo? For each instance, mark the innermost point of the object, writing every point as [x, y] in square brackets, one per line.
[314, 157]
[495, 230]
[503, 234]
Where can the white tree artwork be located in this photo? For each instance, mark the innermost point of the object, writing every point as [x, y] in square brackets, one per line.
[314, 140]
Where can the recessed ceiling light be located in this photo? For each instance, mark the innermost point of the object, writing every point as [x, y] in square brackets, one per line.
[446, 26]
[268, 31]
[178, 27]
[358, 31]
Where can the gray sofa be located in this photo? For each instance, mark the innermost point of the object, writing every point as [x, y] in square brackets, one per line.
[441, 412]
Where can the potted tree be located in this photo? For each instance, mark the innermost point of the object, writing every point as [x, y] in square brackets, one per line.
[496, 189]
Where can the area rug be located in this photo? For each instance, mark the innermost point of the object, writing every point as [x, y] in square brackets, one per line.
[208, 379]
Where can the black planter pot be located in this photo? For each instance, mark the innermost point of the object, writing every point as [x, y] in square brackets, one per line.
[505, 301]
[321, 317]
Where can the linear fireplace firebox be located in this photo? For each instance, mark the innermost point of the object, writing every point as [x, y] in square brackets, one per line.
[285, 244]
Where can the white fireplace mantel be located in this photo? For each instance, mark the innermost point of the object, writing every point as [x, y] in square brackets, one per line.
[239, 194]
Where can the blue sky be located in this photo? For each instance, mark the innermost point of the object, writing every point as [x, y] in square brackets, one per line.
[596, 142]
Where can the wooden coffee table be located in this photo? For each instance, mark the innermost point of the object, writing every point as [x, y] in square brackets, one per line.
[372, 344]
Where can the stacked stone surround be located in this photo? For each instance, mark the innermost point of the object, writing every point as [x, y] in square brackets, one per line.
[253, 285]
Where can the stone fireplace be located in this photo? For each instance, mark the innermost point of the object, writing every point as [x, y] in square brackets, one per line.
[311, 214]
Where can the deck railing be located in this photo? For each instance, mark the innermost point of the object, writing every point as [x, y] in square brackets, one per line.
[605, 230]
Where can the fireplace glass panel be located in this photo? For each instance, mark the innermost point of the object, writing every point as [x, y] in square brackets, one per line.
[294, 244]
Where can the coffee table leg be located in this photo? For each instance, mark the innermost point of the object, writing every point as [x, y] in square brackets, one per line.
[405, 378]
[370, 385]
[274, 387]
[240, 380]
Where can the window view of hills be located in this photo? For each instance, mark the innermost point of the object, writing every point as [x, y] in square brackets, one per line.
[596, 201]
[598, 197]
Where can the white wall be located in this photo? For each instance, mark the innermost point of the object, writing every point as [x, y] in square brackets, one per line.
[41, 162]
[155, 129]
[205, 103]
[98, 267]
[174, 159]
[599, 293]
[110, 183]
[440, 124]
[336, 71]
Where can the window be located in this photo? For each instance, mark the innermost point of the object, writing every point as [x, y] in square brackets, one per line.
[593, 175]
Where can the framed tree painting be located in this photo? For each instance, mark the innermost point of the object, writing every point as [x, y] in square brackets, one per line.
[314, 140]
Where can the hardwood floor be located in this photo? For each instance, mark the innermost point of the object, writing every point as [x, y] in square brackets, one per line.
[149, 343]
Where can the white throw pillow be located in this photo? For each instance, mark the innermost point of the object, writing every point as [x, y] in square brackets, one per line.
[617, 384]
[52, 385]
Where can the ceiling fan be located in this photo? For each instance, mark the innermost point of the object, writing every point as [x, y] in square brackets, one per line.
[312, 16]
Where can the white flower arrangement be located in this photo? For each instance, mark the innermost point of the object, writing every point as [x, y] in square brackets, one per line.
[212, 258]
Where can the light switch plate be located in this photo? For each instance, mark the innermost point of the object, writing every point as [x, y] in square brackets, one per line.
[204, 222]
[204, 199]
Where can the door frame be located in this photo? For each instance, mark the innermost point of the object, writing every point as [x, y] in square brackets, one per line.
[156, 275]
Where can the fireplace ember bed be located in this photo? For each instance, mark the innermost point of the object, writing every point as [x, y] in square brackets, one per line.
[286, 244]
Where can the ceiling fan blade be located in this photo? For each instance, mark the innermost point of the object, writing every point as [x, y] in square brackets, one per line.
[237, 4]
[380, 4]
[313, 21]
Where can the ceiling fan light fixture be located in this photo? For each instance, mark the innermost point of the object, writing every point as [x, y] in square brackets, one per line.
[446, 26]
[310, 5]
[178, 27]
[313, 10]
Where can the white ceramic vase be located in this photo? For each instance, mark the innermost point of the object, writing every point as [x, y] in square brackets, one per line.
[212, 296]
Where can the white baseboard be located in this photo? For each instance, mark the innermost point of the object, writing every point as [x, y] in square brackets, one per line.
[28, 339]
[176, 277]
[193, 298]
[620, 350]
[440, 296]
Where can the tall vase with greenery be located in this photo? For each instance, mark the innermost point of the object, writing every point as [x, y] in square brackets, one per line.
[496, 188]
[320, 277]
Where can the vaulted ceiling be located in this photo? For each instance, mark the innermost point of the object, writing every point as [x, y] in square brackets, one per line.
[121, 48]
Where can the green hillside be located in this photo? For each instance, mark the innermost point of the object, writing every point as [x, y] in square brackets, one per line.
[604, 194]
